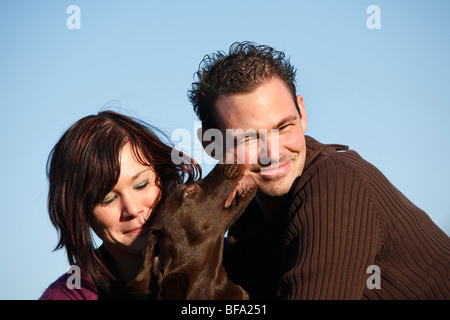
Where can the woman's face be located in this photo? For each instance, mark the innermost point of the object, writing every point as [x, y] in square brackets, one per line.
[118, 221]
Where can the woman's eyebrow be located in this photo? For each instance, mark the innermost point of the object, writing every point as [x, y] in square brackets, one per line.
[139, 173]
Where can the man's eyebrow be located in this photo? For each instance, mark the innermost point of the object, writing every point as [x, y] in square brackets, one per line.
[286, 120]
[139, 173]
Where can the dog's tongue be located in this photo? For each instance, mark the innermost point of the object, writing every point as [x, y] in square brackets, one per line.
[230, 199]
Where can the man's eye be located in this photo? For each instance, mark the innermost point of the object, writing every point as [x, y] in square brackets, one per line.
[247, 141]
[285, 126]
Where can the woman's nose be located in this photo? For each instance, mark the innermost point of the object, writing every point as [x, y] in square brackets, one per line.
[130, 207]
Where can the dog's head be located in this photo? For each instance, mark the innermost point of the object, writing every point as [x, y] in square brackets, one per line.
[190, 225]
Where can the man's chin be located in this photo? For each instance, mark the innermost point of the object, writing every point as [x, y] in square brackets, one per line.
[274, 188]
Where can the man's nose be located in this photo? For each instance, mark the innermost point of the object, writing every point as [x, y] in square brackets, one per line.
[269, 150]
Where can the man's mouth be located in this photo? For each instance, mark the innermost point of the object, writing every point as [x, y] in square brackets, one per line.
[274, 171]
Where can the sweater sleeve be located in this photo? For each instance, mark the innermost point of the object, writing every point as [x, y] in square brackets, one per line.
[333, 236]
[59, 290]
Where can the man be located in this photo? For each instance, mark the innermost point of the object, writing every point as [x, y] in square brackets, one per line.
[324, 224]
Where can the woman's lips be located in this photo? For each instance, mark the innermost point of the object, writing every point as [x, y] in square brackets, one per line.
[135, 230]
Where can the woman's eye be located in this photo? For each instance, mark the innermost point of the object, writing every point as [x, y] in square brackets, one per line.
[141, 185]
[108, 200]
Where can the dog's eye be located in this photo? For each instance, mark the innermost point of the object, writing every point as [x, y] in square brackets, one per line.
[188, 191]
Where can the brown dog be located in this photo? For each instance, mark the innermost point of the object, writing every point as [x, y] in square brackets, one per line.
[183, 259]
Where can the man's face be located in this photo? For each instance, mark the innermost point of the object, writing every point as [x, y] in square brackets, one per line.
[276, 153]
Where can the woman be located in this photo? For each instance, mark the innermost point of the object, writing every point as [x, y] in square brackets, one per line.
[107, 174]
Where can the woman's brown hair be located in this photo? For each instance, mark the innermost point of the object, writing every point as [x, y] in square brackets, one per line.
[84, 166]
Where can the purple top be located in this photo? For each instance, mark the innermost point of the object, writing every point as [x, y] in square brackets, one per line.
[59, 290]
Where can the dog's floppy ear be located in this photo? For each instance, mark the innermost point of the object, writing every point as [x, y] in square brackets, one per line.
[141, 284]
[173, 286]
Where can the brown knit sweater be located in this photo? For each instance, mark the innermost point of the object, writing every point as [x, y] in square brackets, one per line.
[342, 216]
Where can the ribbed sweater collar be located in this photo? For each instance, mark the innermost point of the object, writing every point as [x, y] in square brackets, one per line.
[314, 147]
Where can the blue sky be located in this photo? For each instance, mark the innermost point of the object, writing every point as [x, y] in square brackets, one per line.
[384, 92]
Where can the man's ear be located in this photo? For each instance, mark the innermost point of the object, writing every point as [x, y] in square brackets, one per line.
[303, 117]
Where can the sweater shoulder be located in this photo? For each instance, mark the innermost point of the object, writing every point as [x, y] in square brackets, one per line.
[61, 290]
[338, 182]
[342, 164]
[335, 180]
[338, 164]
[344, 174]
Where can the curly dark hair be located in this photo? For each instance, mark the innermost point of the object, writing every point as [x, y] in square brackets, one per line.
[246, 66]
